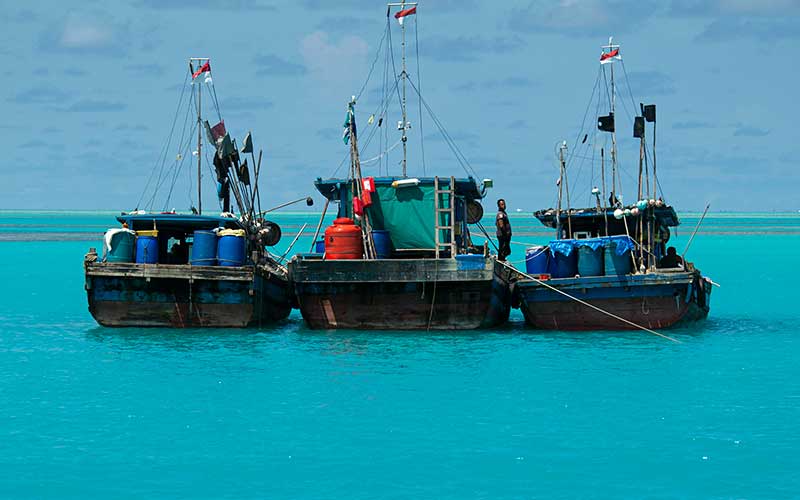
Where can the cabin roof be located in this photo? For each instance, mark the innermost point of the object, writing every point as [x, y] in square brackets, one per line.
[467, 187]
[180, 222]
[665, 215]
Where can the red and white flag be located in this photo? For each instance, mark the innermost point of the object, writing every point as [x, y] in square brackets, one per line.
[610, 57]
[206, 68]
[403, 13]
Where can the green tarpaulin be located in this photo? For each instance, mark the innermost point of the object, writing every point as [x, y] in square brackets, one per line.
[407, 213]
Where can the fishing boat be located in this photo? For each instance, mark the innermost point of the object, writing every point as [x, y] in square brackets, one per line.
[400, 254]
[169, 269]
[610, 266]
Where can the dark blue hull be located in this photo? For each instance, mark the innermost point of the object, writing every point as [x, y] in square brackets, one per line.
[141, 295]
[653, 300]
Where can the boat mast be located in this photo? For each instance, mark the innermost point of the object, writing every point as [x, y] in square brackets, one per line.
[200, 61]
[403, 126]
[565, 183]
[611, 47]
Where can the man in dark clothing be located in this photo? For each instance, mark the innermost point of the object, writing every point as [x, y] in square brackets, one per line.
[672, 259]
[503, 231]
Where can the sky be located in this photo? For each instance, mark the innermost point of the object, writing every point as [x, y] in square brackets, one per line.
[91, 90]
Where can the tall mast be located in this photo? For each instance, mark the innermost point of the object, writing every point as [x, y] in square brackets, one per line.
[200, 61]
[199, 151]
[403, 126]
[611, 47]
[403, 74]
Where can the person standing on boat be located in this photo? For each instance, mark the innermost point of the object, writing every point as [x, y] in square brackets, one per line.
[503, 231]
[672, 259]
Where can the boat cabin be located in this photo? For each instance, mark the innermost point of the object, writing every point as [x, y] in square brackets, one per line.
[177, 239]
[598, 223]
[420, 217]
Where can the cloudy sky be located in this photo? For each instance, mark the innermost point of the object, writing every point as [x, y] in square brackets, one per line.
[91, 90]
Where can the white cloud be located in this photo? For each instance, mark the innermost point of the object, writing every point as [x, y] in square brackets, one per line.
[84, 33]
[335, 62]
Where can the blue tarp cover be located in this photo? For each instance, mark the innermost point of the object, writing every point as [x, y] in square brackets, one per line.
[565, 247]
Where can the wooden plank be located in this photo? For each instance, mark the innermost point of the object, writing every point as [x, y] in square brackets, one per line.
[169, 271]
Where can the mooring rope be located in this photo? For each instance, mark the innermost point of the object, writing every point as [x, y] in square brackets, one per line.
[592, 306]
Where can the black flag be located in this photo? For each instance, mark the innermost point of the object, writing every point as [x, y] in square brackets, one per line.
[638, 126]
[650, 112]
[606, 123]
[244, 173]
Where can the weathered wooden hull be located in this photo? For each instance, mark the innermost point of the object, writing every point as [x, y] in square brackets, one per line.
[650, 300]
[400, 294]
[178, 296]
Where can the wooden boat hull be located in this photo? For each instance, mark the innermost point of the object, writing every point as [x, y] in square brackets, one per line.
[400, 294]
[651, 300]
[179, 296]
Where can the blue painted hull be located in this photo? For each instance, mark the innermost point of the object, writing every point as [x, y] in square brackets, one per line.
[243, 297]
[654, 300]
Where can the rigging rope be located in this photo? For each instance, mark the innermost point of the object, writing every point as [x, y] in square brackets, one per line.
[462, 160]
[163, 175]
[419, 83]
[372, 67]
[164, 150]
[587, 304]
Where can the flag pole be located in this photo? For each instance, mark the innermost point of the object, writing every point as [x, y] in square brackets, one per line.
[200, 61]
[199, 150]
[611, 47]
[404, 125]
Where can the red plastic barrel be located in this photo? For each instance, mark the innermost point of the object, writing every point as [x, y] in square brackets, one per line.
[343, 240]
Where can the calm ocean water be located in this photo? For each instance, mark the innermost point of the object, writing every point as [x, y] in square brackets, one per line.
[287, 412]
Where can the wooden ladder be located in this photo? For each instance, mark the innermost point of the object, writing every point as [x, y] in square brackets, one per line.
[444, 210]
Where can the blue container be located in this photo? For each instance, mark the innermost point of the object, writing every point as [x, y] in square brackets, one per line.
[537, 260]
[617, 264]
[383, 243]
[230, 251]
[564, 266]
[122, 245]
[590, 261]
[146, 250]
[468, 262]
[319, 247]
[204, 249]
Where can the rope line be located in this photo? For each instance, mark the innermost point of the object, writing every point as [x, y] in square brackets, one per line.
[587, 304]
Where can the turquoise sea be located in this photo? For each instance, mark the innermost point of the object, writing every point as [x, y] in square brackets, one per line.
[286, 412]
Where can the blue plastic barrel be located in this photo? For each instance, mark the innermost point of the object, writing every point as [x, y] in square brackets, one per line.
[617, 264]
[383, 243]
[122, 245]
[590, 261]
[564, 266]
[536, 260]
[204, 249]
[146, 250]
[467, 262]
[230, 250]
[319, 247]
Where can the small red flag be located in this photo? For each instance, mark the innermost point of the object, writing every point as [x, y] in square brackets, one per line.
[607, 57]
[203, 69]
[403, 13]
